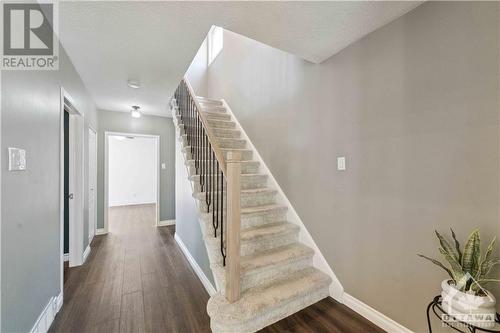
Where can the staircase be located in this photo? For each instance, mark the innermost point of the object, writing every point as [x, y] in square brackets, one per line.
[270, 275]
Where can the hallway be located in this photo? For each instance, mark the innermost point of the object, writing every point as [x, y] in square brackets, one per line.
[136, 279]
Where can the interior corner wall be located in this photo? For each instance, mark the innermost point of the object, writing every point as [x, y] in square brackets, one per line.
[122, 122]
[197, 71]
[30, 267]
[414, 107]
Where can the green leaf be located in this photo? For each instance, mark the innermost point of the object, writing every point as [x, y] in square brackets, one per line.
[446, 246]
[457, 272]
[483, 267]
[435, 262]
[457, 245]
[483, 281]
[488, 266]
[476, 285]
[472, 251]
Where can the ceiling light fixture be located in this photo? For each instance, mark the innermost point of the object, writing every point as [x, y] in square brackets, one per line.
[133, 84]
[135, 113]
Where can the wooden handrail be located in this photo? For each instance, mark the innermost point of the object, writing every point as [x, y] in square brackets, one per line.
[211, 136]
[233, 267]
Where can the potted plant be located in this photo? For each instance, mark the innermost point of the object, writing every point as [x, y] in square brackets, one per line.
[464, 297]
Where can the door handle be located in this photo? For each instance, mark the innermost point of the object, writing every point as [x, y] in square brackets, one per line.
[70, 196]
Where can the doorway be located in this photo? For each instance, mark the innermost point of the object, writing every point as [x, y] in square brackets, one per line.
[66, 193]
[92, 217]
[71, 185]
[131, 176]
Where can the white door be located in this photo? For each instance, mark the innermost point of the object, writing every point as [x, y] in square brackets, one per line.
[92, 183]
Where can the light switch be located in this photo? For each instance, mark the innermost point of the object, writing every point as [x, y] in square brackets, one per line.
[341, 163]
[163, 166]
[17, 159]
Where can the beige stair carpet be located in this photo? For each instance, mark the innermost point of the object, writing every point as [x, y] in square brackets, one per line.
[277, 274]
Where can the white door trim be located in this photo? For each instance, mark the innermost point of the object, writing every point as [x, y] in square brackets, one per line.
[76, 179]
[93, 228]
[107, 134]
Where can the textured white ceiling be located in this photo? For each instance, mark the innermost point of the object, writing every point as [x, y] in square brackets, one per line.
[154, 42]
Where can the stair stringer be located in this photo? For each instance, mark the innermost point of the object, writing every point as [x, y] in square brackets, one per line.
[336, 289]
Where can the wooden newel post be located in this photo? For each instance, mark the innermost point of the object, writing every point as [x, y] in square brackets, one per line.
[233, 277]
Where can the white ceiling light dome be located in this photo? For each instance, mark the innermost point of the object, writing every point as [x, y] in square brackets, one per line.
[135, 113]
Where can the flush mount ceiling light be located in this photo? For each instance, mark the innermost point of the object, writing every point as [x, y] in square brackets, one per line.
[133, 84]
[135, 113]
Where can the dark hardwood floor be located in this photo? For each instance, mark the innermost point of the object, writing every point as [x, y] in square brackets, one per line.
[136, 279]
[326, 316]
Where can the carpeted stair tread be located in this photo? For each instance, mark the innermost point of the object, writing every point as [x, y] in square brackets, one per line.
[275, 256]
[258, 300]
[268, 230]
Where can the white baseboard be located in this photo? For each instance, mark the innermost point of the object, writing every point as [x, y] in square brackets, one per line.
[59, 302]
[374, 316]
[197, 269]
[86, 253]
[165, 223]
[48, 314]
[122, 204]
[66, 257]
[101, 231]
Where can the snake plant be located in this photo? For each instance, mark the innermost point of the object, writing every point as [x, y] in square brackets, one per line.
[468, 269]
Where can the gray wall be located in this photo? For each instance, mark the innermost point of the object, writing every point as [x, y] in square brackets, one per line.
[110, 121]
[196, 73]
[187, 226]
[30, 199]
[414, 108]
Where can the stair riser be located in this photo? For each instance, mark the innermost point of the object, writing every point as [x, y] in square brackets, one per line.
[246, 200]
[272, 316]
[253, 220]
[213, 109]
[245, 168]
[246, 155]
[267, 243]
[221, 124]
[248, 221]
[226, 143]
[231, 143]
[226, 133]
[217, 116]
[277, 271]
[247, 182]
[204, 101]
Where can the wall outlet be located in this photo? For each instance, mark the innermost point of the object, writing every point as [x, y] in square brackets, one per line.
[17, 159]
[163, 166]
[341, 163]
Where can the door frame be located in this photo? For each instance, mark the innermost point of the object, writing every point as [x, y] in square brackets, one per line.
[76, 174]
[107, 134]
[94, 227]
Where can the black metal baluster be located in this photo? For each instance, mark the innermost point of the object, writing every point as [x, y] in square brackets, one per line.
[214, 207]
[216, 221]
[207, 152]
[206, 166]
[197, 143]
[198, 140]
